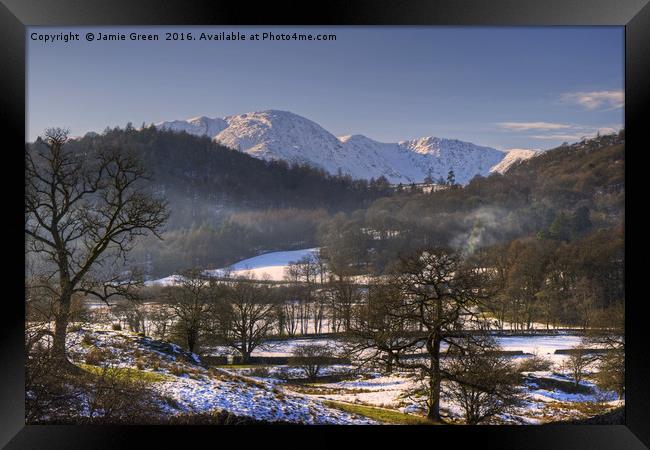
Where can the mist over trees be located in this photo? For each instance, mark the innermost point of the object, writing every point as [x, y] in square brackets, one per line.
[225, 205]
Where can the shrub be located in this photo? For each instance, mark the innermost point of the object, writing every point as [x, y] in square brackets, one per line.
[116, 395]
[311, 358]
[108, 394]
[177, 369]
[116, 327]
[535, 363]
[95, 356]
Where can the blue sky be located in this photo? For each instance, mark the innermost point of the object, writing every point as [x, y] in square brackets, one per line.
[502, 87]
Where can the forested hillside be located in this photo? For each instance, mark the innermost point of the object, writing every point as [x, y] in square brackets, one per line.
[561, 195]
[226, 205]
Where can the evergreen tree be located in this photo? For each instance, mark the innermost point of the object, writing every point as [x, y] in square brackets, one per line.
[451, 178]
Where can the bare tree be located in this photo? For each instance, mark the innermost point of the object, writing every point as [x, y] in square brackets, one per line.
[245, 316]
[611, 371]
[577, 363]
[437, 294]
[304, 273]
[344, 295]
[161, 317]
[290, 315]
[133, 311]
[192, 301]
[483, 383]
[609, 334]
[80, 210]
[376, 334]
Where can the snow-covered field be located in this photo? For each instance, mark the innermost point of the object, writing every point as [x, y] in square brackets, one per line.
[269, 266]
[542, 403]
[266, 266]
[281, 393]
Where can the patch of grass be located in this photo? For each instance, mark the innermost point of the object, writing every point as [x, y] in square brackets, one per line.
[128, 373]
[380, 414]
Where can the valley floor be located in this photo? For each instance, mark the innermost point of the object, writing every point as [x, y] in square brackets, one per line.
[342, 394]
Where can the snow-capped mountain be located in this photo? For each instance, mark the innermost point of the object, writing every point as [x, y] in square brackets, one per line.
[282, 135]
[513, 156]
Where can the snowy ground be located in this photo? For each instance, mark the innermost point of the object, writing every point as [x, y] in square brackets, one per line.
[548, 395]
[281, 393]
[190, 388]
[266, 266]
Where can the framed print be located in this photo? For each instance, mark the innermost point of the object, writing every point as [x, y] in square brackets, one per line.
[369, 218]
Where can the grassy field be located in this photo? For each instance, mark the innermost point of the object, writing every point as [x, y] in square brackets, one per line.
[126, 372]
[383, 415]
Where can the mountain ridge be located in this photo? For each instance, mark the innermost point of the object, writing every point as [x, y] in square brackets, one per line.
[283, 135]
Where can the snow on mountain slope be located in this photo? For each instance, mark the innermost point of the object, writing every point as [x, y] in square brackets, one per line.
[439, 155]
[282, 135]
[512, 157]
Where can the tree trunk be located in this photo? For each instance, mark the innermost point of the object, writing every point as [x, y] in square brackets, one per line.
[61, 320]
[389, 364]
[60, 328]
[246, 357]
[434, 383]
[434, 399]
[191, 341]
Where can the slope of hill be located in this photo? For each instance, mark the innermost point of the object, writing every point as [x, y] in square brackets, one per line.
[562, 194]
[175, 384]
[282, 135]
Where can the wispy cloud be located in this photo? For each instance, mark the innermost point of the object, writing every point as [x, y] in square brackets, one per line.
[526, 126]
[559, 137]
[596, 99]
[580, 133]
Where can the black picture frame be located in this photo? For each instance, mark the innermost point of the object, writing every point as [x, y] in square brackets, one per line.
[15, 15]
